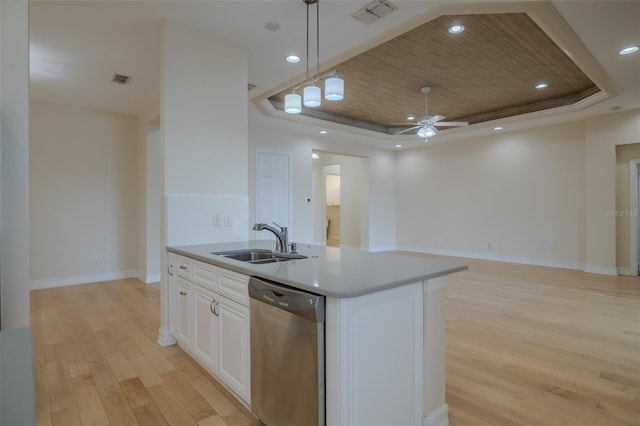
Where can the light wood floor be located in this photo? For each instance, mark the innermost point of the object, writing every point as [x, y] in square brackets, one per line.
[525, 346]
[98, 363]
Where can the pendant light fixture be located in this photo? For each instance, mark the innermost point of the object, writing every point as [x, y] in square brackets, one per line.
[312, 94]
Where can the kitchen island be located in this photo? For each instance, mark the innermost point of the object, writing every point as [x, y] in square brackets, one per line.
[384, 321]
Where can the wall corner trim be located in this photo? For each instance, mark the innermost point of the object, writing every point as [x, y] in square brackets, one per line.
[601, 270]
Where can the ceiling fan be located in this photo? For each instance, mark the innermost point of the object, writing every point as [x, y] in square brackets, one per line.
[427, 125]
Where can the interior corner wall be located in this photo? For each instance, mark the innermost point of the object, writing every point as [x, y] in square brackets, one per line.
[378, 231]
[149, 214]
[204, 113]
[84, 195]
[624, 213]
[603, 133]
[516, 196]
[14, 164]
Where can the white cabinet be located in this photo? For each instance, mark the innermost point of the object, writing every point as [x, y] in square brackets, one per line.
[173, 294]
[206, 328]
[234, 367]
[185, 312]
[210, 307]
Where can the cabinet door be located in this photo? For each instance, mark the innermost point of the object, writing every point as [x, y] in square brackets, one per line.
[206, 328]
[234, 363]
[173, 294]
[185, 312]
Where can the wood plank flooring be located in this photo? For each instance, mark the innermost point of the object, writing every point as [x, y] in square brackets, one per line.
[526, 345]
[529, 345]
[98, 363]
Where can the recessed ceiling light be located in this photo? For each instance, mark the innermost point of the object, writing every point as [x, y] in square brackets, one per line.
[456, 29]
[323, 132]
[398, 146]
[541, 86]
[498, 128]
[629, 50]
[272, 26]
[410, 118]
[315, 156]
[293, 59]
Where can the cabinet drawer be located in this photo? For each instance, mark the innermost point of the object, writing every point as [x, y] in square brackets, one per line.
[184, 267]
[234, 286]
[205, 274]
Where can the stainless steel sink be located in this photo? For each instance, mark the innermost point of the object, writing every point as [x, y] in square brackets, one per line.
[257, 256]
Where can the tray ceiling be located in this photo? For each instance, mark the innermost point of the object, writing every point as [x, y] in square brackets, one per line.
[485, 73]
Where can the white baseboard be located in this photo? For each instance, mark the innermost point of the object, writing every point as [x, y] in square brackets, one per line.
[382, 248]
[165, 338]
[602, 270]
[82, 279]
[498, 257]
[152, 278]
[440, 417]
[628, 272]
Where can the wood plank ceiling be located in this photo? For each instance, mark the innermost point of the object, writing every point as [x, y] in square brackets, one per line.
[485, 73]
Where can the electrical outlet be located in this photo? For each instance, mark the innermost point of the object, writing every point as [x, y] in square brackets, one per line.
[216, 220]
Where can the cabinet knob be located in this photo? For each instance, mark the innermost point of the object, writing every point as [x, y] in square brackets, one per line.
[170, 270]
[183, 293]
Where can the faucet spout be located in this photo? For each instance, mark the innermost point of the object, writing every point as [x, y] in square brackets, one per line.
[281, 235]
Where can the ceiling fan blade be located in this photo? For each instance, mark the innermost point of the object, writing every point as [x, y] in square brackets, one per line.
[403, 124]
[436, 118]
[407, 130]
[452, 123]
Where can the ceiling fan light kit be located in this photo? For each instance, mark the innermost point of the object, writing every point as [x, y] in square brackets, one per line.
[312, 94]
[426, 125]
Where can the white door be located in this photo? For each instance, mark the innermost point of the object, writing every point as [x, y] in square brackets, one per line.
[206, 324]
[234, 362]
[185, 312]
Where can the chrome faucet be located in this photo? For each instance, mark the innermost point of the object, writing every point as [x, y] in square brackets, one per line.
[281, 235]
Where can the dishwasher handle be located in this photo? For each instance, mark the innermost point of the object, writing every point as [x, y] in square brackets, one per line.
[306, 305]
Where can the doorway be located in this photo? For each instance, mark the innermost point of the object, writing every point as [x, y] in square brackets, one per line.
[340, 189]
[332, 201]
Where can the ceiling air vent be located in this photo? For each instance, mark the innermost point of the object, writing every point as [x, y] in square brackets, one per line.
[121, 79]
[251, 86]
[373, 11]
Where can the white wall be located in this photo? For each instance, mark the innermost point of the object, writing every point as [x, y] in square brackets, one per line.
[84, 195]
[603, 133]
[203, 115]
[514, 196]
[270, 134]
[14, 164]
[153, 189]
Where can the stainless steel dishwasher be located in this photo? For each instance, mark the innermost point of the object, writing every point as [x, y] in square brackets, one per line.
[287, 355]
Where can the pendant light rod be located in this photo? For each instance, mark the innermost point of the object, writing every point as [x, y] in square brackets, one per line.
[315, 79]
[317, 38]
[307, 41]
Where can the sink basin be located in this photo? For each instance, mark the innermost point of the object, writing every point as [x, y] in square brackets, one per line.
[257, 256]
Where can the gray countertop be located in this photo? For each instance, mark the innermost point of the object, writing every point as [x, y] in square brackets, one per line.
[328, 271]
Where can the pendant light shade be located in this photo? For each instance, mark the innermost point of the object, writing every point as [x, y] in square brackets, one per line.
[334, 89]
[312, 96]
[293, 103]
